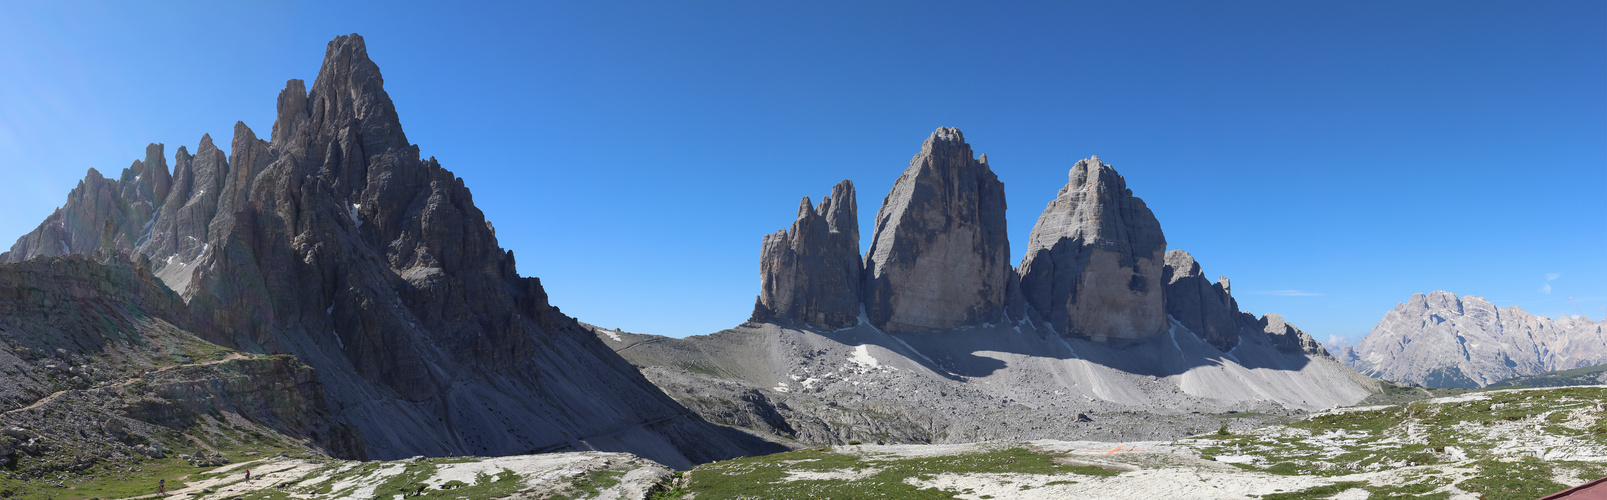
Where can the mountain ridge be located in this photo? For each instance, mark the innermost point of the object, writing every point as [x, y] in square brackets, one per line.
[334, 241]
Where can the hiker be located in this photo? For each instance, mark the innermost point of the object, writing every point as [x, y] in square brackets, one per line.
[248, 475]
[161, 487]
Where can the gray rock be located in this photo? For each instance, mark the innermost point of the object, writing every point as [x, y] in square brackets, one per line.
[1442, 340]
[1205, 308]
[939, 256]
[1289, 339]
[812, 273]
[334, 241]
[1094, 260]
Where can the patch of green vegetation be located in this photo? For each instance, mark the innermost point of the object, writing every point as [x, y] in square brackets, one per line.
[697, 368]
[1524, 479]
[409, 483]
[590, 483]
[1415, 487]
[878, 477]
[1316, 492]
[103, 481]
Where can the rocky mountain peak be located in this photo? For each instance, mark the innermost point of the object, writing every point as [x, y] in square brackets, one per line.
[938, 257]
[1094, 260]
[1445, 340]
[336, 243]
[812, 273]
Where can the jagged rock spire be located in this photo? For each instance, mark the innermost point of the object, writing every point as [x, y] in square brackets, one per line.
[812, 273]
[1094, 259]
[939, 256]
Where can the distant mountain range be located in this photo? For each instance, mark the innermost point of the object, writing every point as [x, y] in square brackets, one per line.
[1442, 340]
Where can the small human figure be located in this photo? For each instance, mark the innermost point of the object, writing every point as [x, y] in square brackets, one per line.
[161, 487]
[248, 475]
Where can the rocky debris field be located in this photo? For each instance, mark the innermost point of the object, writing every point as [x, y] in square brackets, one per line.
[971, 384]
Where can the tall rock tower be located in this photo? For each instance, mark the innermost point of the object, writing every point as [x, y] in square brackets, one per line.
[939, 257]
[812, 273]
[1094, 262]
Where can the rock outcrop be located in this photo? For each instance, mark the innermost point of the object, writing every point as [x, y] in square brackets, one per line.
[1205, 308]
[100, 362]
[335, 242]
[1094, 260]
[812, 273]
[939, 256]
[1442, 340]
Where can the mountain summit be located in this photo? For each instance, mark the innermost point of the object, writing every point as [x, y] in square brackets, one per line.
[335, 242]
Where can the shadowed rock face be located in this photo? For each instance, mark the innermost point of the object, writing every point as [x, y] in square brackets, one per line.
[1094, 260]
[1440, 339]
[939, 256]
[335, 242]
[812, 274]
[1205, 308]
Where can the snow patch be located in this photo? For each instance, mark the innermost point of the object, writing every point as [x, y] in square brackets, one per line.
[612, 335]
[352, 212]
[337, 339]
[863, 358]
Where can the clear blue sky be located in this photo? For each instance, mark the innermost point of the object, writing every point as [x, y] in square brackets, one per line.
[1332, 158]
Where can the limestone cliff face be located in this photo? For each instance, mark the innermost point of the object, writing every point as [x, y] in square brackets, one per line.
[1094, 260]
[939, 256]
[334, 241]
[1444, 340]
[812, 273]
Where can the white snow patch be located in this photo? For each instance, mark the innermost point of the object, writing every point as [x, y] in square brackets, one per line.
[863, 358]
[782, 388]
[337, 339]
[352, 212]
[612, 335]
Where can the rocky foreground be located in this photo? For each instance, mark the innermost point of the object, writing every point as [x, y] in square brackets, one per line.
[1495, 444]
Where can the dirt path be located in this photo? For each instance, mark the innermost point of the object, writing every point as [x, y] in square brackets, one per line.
[52, 397]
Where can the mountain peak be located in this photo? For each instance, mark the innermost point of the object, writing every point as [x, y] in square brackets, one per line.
[1095, 258]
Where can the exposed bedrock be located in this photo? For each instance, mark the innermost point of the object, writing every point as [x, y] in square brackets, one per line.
[811, 274]
[1093, 266]
[939, 256]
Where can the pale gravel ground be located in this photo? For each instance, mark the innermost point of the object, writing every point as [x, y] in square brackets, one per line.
[540, 474]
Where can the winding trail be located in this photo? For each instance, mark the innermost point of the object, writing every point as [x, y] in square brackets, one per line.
[52, 397]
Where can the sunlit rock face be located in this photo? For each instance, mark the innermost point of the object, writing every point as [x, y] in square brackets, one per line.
[101, 212]
[939, 258]
[811, 273]
[334, 241]
[1094, 260]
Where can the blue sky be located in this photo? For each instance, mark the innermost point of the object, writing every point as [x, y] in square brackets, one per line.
[1331, 158]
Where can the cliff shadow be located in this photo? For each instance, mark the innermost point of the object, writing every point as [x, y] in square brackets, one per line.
[963, 352]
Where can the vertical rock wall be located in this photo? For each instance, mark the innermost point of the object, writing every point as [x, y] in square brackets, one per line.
[812, 273]
[1094, 260]
[939, 256]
